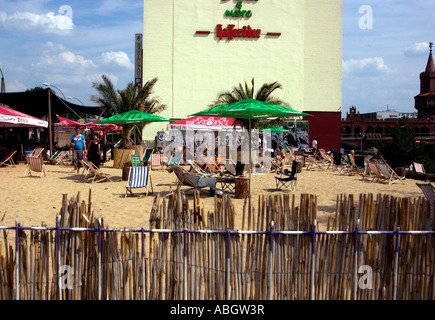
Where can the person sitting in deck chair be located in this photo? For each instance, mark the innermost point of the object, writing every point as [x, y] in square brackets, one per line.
[198, 181]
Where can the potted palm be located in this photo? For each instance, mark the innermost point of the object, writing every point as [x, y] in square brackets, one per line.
[113, 102]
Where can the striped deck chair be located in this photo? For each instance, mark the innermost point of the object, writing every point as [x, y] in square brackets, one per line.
[388, 172]
[58, 157]
[155, 160]
[9, 161]
[419, 167]
[37, 152]
[35, 163]
[139, 177]
[428, 191]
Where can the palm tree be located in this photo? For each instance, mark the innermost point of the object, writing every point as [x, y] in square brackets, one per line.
[114, 101]
[242, 92]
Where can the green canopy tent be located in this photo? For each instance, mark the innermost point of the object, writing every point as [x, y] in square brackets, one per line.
[275, 129]
[251, 109]
[132, 117]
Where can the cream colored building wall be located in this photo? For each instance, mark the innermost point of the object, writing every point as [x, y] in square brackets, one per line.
[323, 55]
[193, 68]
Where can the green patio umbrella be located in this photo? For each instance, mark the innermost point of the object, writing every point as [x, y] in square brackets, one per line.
[133, 117]
[275, 129]
[251, 109]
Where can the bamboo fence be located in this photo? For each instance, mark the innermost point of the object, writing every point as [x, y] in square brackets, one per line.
[375, 248]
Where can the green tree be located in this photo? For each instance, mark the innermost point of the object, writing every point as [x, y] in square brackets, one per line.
[242, 92]
[401, 151]
[114, 101]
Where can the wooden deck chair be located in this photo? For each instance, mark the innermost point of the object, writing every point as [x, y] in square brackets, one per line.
[135, 160]
[418, 167]
[96, 175]
[388, 172]
[313, 163]
[184, 180]
[139, 178]
[86, 172]
[37, 152]
[54, 156]
[375, 172]
[174, 160]
[428, 191]
[156, 160]
[146, 156]
[326, 158]
[194, 166]
[35, 163]
[58, 157]
[286, 179]
[9, 161]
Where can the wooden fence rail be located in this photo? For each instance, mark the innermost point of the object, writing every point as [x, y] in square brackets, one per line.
[375, 248]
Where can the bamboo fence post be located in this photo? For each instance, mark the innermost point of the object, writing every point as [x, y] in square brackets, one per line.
[313, 255]
[396, 262]
[17, 262]
[269, 295]
[355, 261]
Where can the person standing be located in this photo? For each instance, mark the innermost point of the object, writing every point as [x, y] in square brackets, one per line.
[94, 150]
[78, 147]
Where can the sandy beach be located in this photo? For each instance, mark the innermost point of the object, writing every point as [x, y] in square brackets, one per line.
[36, 200]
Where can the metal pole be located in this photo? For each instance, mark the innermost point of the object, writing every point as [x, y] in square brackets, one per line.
[185, 265]
[50, 134]
[99, 260]
[143, 264]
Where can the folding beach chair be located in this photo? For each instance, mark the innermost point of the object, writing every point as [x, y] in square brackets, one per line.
[287, 179]
[418, 167]
[135, 160]
[35, 163]
[9, 161]
[175, 160]
[58, 157]
[146, 156]
[139, 177]
[95, 174]
[198, 169]
[86, 172]
[184, 179]
[428, 191]
[390, 175]
[156, 160]
[54, 156]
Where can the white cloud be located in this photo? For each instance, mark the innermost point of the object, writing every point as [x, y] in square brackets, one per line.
[417, 49]
[65, 59]
[118, 58]
[366, 66]
[48, 23]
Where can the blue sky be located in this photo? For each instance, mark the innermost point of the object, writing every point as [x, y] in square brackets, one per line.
[69, 44]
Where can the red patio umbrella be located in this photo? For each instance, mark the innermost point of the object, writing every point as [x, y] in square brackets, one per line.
[101, 126]
[64, 122]
[13, 118]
